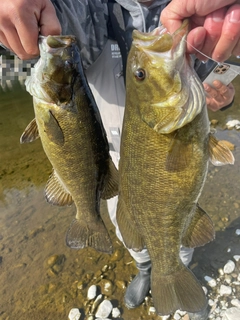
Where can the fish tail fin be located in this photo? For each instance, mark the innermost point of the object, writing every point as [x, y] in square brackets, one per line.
[81, 235]
[178, 291]
[111, 182]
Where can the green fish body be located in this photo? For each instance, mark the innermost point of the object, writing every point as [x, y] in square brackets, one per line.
[163, 165]
[68, 123]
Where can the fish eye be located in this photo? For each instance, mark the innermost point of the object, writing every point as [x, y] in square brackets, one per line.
[140, 74]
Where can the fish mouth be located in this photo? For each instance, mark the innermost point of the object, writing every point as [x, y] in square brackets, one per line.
[54, 44]
[160, 41]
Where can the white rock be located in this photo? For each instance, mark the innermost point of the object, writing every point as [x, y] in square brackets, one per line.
[236, 257]
[232, 123]
[115, 312]
[104, 309]
[238, 232]
[166, 317]
[205, 290]
[225, 290]
[211, 302]
[92, 292]
[232, 314]
[177, 316]
[210, 281]
[74, 314]
[151, 310]
[229, 267]
[235, 303]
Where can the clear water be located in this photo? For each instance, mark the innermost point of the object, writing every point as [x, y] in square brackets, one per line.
[32, 231]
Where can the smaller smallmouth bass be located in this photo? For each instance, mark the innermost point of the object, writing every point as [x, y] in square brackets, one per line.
[69, 125]
[165, 148]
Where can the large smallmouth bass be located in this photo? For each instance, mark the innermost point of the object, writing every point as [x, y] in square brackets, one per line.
[165, 148]
[72, 135]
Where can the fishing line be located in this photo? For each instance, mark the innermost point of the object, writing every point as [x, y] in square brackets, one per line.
[219, 63]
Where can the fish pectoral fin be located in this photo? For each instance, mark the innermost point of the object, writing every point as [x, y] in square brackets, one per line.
[219, 152]
[55, 192]
[81, 235]
[53, 130]
[30, 133]
[178, 156]
[179, 290]
[131, 237]
[200, 230]
[110, 188]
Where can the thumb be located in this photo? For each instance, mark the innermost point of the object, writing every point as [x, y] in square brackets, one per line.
[49, 23]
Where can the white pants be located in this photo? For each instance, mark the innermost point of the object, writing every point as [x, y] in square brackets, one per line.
[143, 256]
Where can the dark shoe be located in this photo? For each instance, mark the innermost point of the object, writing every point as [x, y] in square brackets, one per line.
[139, 287]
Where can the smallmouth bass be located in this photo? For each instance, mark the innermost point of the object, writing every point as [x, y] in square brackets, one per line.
[166, 145]
[69, 125]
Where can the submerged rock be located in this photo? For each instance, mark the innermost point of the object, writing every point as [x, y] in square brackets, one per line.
[74, 314]
[229, 267]
[232, 314]
[104, 309]
[92, 292]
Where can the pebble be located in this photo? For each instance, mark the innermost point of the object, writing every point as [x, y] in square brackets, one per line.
[232, 123]
[236, 257]
[229, 267]
[116, 312]
[238, 232]
[225, 290]
[231, 314]
[151, 310]
[74, 314]
[235, 303]
[210, 281]
[96, 303]
[92, 292]
[107, 287]
[166, 317]
[104, 309]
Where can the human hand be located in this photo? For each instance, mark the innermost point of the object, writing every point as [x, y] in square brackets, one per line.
[214, 26]
[218, 95]
[21, 21]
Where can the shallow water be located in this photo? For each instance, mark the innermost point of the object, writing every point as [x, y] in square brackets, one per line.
[40, 278]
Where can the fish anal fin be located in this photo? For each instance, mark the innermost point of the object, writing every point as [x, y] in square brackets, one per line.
[132, 239]
[180, 290]
[219, 152]
[200, 231]
[110, 188]
[56, 193]
[81, 235]
[31, 133]
[178, 156]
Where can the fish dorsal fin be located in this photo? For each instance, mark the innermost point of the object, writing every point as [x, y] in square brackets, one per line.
[219, 152]
[110, 188]
[126, 223]
[200, 230]
[30, 133]
[56, 193]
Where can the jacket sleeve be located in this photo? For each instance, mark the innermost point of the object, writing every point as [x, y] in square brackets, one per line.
[87, 20]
